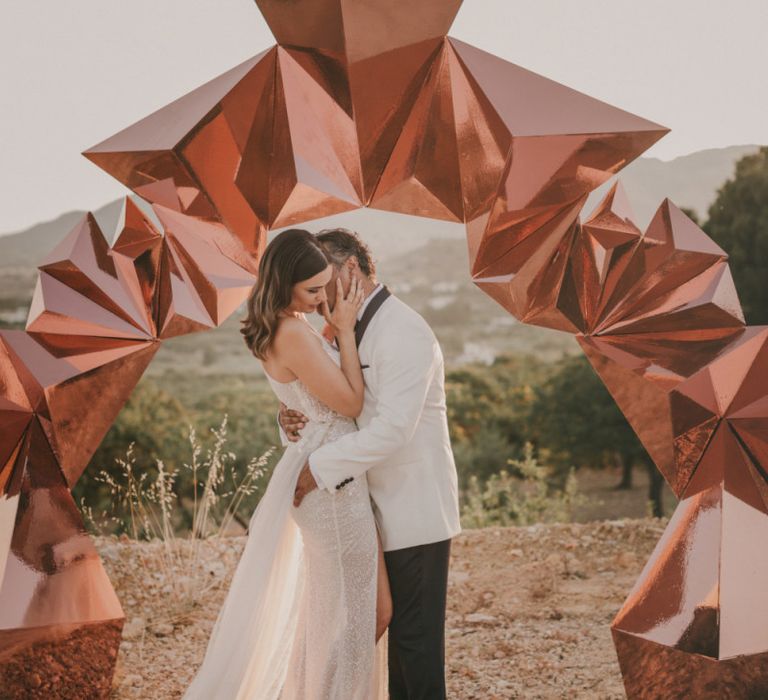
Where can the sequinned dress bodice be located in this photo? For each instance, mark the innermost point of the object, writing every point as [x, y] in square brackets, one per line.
[324, 423]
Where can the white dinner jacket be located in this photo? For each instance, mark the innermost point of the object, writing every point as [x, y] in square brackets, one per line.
[402, 443]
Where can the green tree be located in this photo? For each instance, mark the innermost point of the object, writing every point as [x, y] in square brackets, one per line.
[576, 419]
[487, 413]
[738, 223]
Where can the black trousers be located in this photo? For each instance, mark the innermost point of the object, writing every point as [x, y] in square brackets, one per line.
[418, 578]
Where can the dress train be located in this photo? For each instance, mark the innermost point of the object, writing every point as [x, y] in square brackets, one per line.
[277, 639]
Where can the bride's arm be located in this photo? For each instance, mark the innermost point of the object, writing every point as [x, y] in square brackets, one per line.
[342, 320]
[341, 389]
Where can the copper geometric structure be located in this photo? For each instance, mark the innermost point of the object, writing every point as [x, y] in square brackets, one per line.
[369, 103]
[96, 319]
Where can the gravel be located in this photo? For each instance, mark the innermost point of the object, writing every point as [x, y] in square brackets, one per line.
[529, 609]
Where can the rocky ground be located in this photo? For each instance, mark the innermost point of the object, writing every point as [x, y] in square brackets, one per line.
[529, 609]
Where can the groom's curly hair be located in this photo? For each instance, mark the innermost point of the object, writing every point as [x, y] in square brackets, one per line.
[340, 244]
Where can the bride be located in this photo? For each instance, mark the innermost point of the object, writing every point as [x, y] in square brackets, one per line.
[307, 609]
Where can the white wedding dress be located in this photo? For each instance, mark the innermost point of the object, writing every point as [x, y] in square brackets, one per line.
[299, 621]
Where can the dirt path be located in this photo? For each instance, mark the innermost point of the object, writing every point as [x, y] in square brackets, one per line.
[529, 611]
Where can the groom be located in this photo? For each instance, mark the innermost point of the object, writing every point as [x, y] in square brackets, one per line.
[403, 446]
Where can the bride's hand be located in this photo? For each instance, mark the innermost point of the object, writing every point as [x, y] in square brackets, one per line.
[344, 314]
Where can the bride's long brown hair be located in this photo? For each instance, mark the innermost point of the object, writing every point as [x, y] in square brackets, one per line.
[292, 257]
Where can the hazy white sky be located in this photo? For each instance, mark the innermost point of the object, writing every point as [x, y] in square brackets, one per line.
[73, 73]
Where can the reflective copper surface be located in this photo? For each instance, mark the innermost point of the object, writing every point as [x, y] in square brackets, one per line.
[96, 320]
[369, 103]
[60, 621]
[653, 670]
[59, 661]
[703, 589]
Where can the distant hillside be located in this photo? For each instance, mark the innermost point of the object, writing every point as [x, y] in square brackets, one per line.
[690, 181]
[471, 327]
[27, 248]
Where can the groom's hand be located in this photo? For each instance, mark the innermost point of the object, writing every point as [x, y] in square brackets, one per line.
[304, 484]
[291, 422]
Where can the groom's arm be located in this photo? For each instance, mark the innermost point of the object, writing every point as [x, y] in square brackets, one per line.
[405, 369]
[289, 422]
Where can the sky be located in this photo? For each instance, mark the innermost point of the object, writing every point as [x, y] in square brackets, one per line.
[74, 73]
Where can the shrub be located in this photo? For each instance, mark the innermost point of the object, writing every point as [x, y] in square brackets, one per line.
[523, 497]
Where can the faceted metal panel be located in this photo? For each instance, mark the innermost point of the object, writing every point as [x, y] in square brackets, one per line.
[148, 157]
[653, 670]
[59, 607]
[677, 272]
[70, 401]
[702, 593]
[704, 581]
[357, 29]
[527, 265]
[422, 173]
[52, 571]
[602, 251]
[416, 123]
[371, 55]
[452, 149]
[674, 409]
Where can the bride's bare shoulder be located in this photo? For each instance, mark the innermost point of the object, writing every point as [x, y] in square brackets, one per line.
[293, 334]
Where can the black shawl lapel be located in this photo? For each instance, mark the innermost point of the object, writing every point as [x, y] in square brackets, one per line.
[373, 306]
